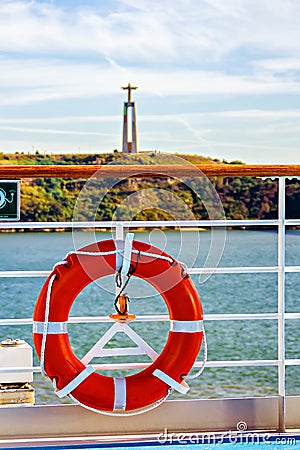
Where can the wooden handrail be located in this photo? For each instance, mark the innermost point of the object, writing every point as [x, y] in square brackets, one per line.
[117, 171]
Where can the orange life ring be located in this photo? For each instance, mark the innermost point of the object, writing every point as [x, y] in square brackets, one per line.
[96, 391]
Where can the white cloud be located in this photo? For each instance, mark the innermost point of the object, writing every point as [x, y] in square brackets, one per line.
[45, 80]
[189, 121]
[59, 120]
[278, 64]
[52, 131]
[167, 48]
[258, 114]
[40, 28]
[215, 53]
[152, 31]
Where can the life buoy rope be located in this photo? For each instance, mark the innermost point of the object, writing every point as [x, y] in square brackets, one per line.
[138, 392]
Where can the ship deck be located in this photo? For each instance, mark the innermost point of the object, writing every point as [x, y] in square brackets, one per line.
[70, 426]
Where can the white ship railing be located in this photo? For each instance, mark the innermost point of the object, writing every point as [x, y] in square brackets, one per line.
[281, 269]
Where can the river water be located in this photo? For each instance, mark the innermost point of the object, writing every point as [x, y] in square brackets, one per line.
[220, 294]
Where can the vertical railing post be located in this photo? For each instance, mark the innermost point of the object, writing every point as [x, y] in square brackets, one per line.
[281, 304]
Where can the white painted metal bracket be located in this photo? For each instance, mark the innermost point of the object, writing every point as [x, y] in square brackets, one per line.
[98, 349]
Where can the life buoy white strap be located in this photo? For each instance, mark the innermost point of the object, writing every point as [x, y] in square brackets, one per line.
[127, 253]
[186, 326]
[120, 394]
[119, 254]
[179, 387]
[52, 327]
[75, 382]
[123, 253]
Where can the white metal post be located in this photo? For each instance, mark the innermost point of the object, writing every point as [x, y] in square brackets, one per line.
[281, 304]
[119, 231]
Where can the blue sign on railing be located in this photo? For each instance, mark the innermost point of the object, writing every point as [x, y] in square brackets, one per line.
[9, 200]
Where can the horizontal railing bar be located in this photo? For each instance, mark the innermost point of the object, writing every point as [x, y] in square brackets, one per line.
[292, 269]
[24, 273]
[135, 366]
[191, 271]
[12, 321]
[207, 317]
[294, 222]
[242, 363]
[292, 315]
[157, 318]
[257, 316]
[54, 225]
[121, 171]
[211, 364]
[292, 362]
[222, 270]
[88, 319]
[139, 224]
[249, 269]
[143, 365]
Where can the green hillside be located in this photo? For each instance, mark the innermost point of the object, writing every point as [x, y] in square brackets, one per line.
[54, 199]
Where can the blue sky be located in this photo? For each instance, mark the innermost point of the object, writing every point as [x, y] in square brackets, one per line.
[216, 77]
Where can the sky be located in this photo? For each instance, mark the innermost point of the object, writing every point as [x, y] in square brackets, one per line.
[218, 78]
